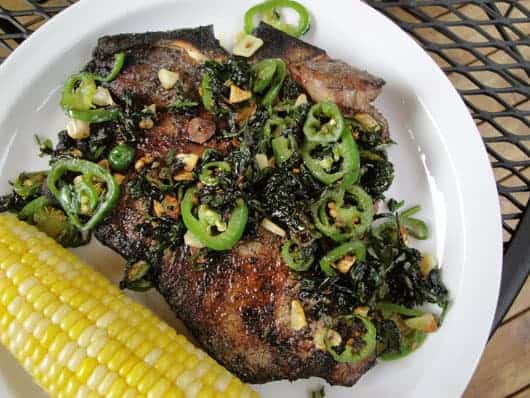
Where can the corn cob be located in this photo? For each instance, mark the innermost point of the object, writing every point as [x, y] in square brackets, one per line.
[79, 336]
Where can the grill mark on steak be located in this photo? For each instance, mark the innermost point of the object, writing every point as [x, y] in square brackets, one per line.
[239, 307]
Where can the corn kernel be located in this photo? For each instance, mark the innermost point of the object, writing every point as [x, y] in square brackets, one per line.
[136, 374]
[108, 351]
[86, 368]
[148, 380]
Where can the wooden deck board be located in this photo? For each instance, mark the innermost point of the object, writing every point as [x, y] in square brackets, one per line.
[504, 368]
[523, 394]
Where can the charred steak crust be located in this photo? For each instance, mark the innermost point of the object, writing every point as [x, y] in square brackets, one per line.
[239, 311]
[277, 44]
[238, 308]
[202, 38]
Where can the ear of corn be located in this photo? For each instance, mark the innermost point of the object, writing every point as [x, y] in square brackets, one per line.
[79, 336]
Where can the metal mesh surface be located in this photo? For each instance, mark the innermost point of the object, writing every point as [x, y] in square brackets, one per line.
[484, 48]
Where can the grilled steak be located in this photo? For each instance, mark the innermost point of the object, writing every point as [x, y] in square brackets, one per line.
[240, 307]
[324, 78]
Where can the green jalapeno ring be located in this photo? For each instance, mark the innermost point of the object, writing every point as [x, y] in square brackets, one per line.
[270, 75]
[267, 10]
[119, 60]
[79, 90]
[201, 228]
[121, 157]
[32, 207]
[207, 175]
[283, 148]
[208, 100]
[357, 248]
[332, 130]
[387, 309]
[65, 196]
[80, 97]
[348, 356]
[345, 150]
[350, 221]
[84, 188]
[95, 115]
[27, 185]
[265, 71]
[408, 344]
[295, 259]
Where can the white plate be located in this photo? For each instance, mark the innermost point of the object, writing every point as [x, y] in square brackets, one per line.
[440, 159]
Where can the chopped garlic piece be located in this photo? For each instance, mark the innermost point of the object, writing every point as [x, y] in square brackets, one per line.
[77, 129]
[247, 45]
[298, 321]
[345, 264]
[189, 159]
[272, 227]
[428, 263]
[191, 240]
[102, 97]
[301, 100]
[167, 78]
[238, 95]
[262, 161]
[183, 176]
[424, 323]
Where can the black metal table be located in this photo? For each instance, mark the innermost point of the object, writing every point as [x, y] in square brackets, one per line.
[483, 46]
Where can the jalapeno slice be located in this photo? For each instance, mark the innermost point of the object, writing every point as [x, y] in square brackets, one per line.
[83, 198]
[351, 354]
[357, 250]
[329, 163]
[268, 10]
[324, 123]
[270, 75]
[210, 172]
[343, 213]
[205, 222]
[296, 257]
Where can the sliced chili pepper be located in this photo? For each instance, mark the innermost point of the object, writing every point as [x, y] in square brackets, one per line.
[29, 184]
[283, 148]
[119, 60]
[136, 276]
[210, 170]
[295, 257]
[388, 309]
[273, 128]
[202, 225]
[409, 343]
[269, 13]
[208, 100]
[358, 249]
[70, 199]
[32, 207]
[270, 75]
[348, 355]
[78, 92]
[343, 213]
[324, 123]
[329, 163]
[121, 157]
[95, 115]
